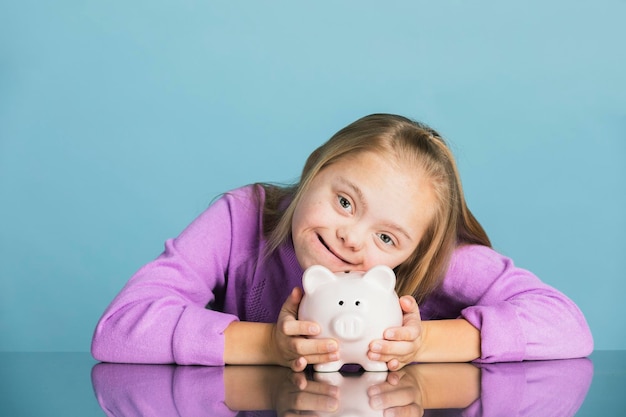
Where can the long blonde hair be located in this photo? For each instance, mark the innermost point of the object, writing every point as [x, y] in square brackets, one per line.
[453, 223]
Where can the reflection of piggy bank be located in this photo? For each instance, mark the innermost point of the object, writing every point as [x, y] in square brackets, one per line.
[353, 397]
[352, 307]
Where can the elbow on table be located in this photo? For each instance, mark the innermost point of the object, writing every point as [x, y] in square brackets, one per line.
[108, 345]
[578, 344]
[586, 344]
[102, 348]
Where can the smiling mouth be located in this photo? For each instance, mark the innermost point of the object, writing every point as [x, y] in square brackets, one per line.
[331, 251]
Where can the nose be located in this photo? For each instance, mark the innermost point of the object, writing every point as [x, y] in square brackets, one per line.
[350, 237]
[349, 326]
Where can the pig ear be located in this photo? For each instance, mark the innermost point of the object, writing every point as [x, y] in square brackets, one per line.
[314, 276]
[382, 276]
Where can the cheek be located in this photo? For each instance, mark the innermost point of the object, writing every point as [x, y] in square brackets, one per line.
[295, 222]
[308, 215]
[299, 218]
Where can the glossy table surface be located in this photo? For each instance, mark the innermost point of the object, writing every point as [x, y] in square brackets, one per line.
[73, 384]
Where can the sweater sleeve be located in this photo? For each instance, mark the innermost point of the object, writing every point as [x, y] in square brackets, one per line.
[519, 316]
[160, 316]
[157, 390]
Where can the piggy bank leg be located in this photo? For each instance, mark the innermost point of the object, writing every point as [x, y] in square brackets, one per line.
[328, 366]
[375, 366]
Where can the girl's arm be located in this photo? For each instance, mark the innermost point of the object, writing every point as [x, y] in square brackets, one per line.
[452, 340]
[487, 310]
[160, 315]
[519, 317]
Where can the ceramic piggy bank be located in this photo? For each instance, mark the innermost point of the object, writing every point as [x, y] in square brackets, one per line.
[353, 308]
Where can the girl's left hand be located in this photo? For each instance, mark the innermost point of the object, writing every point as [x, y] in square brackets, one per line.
[400, 344]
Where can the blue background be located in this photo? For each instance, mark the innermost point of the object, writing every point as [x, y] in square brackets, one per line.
[120, 122]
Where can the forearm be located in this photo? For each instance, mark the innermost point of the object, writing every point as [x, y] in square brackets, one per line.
[249, 343]
[453, 340]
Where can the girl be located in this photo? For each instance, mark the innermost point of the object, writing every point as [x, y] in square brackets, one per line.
[383, 190]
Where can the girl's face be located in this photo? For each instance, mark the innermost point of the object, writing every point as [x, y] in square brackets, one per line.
[361, 212]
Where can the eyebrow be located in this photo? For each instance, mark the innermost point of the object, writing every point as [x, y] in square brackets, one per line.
[355, 189]
[363, 201]
[399, 230]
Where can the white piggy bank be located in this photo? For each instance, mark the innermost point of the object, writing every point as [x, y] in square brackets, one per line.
[353, 308]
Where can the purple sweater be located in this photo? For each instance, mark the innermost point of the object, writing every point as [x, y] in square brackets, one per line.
[175, 308]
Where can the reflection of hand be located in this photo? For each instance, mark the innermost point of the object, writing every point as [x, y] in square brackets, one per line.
[400, 393]
[296, 395]
[419, 387]
[248, 388]
[292, 347]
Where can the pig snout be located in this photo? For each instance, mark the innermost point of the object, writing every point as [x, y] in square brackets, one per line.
[348, 326]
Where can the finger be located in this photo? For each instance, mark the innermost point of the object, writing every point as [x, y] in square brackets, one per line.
[396, 397]
[298, 379]
[306, 401]
[391, 348]
[411, 322]
[409, 332]
[290, 306]
[409, 306]
[394, 378]
[387, 351]
[318, 350]
[325, 358]
[298, 365]
[390, 384]
[298, 413]
[394, 365]
[411, 410]
[292, 327]
[322, 388]
[287, 318]
[312, 347]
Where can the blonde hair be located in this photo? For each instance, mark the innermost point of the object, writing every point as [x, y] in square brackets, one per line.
[453, 224]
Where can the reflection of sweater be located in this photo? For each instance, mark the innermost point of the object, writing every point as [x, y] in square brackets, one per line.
[524, 389]
[175, 308]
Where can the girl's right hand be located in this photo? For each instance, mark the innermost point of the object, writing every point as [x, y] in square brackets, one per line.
[290, 344]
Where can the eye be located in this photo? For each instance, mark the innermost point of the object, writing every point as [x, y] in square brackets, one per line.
[341, 302]
[357, 303]
[386, 239]
[344, 203]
